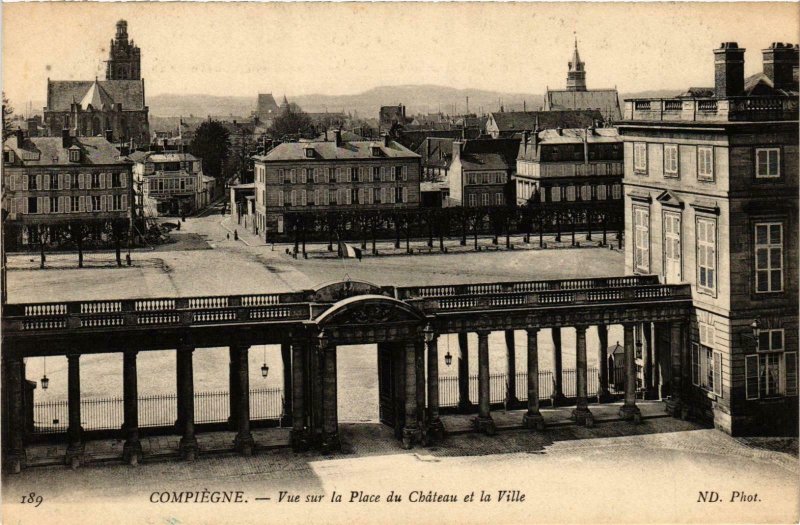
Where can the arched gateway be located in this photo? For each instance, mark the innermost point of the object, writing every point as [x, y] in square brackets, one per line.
[362, 314]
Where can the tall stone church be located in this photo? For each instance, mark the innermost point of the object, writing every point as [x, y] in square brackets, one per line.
[114, 106]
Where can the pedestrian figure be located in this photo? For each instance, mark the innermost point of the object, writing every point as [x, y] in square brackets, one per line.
[228, 235]
[179, 227]
[128, 258]
[235, 235]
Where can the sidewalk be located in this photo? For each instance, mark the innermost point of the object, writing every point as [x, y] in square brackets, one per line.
[166, 447]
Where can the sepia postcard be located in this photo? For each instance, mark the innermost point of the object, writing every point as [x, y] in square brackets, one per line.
[399, 262]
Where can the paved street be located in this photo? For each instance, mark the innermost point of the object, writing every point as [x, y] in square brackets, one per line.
[567, 474]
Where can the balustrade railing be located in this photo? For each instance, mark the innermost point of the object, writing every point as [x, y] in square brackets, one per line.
[714, 109]
[52, 417]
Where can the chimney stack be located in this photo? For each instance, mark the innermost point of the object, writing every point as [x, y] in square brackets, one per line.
[337, 135]
[458, 149]
[385, 140]
[20, 135]
[535, 137]
[728, 70]
[780, 65]
[110, 136]
[525, 136]
[66, 141]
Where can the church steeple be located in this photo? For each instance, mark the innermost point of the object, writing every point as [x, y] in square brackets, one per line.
[576, 76]
[124, 58]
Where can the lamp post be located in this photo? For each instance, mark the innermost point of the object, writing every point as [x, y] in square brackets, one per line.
[755, 326]
[264, 367]
[45, 381]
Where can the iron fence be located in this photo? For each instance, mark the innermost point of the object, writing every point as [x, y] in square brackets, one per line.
[51, 417]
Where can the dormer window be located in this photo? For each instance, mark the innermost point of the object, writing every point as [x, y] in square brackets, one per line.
[309, 152]
[74, 154]
[376, 150]
[8, 156]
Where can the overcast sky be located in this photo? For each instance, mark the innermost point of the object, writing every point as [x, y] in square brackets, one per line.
[243, 49]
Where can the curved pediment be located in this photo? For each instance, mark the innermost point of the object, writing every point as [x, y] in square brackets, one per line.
[337, 291]
[367, 310]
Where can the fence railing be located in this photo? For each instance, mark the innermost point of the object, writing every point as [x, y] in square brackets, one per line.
[498, 385]
[51, 417]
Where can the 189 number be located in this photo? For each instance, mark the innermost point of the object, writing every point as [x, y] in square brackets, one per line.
[33, 498]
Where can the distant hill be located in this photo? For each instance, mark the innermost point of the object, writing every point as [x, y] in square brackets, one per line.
[417, 99]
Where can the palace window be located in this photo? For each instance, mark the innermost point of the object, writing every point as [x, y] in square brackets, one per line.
[116, 202]
[570, 193]
[640, 157]
[555, 193]
[54, 181]
[398, 173]
[74, 180]
[705, 163]
[707, 255]
[768, 163]
[769, 257]
[32, 182]
[95, 181]
[473, 199]
[670, 160]
[498, 199]
[354, 174]
[641, 231]
[601, 192]
[75, 204]
[771, 372]
[95, 203]
[33, 205]
[116, 180]
[54, 205]
[616, 191]
[484, 199]
[707, 368]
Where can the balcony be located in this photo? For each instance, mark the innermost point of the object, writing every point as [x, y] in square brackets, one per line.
[732, 109]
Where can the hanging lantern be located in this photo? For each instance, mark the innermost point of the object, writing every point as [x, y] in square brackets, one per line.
[264, 370]
[45, 382]
[448, 359]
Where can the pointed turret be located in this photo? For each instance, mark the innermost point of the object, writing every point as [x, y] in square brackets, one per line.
[576, 76]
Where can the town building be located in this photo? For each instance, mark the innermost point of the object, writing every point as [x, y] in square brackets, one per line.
[170, 183]
[506, 124]
[52, 182]
[89, 108]
[332, 175]
[578, 97]
[480, 172]
[564, 165]
[711, 189]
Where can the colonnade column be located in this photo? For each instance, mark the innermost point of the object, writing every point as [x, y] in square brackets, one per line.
[410, 429]
[330, 418]
[188, 443]
[179, 393]
[75, 449]
[15, 456]
[464, 404]
[484, 422]
[558, 379]
[435, 426]
[132, 450]
[675, 404]
[629, 410]
[602, 363]
[286, 360]
[244, 442]
[234, 387]
[299, 437]
[533, 418]
[511, 370]
[582, 415]
[650, 364]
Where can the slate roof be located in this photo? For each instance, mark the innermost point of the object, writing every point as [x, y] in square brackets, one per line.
[266, 104]
[50, 150]
[440, 152]
[568, 136]
[289, 151]
[489, 154]
[61, 93]
[514, 121]
[604, 100]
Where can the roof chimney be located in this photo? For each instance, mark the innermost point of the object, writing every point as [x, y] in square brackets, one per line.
[337, 136]
[728, 70]
[66, 141]
[560, 130]
[385, 140]
[780, 64]
[535, 137]
[458, 149]
[525, 136]
[20, 135]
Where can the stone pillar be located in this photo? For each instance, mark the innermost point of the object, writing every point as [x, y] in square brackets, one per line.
[511, 370]
[558, 371]
[234, 386]
[75, 449]
[657, 351]
[330, 422]
[675, 403]
[629, 410]
[533, 418]
[435, 426]
[603, 393]
[419, 362]
[316, 404]
[15, 459]
[188, 443]
[179, 393]
[243, 443]
[410, 430]
[464, 404]
[484, 421]
[132, 450]
[650, 364]
[286, 360]
[299, 412]
[581, 414]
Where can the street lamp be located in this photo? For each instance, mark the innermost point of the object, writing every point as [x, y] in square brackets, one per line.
[322, 339]
[264, 367]
[755, 326]
[428, 333]
[45, 381]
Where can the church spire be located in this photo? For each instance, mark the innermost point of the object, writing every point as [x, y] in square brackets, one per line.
[576, 76]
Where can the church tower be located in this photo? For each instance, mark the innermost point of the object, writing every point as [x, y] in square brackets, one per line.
[576, 76]
[124, 58]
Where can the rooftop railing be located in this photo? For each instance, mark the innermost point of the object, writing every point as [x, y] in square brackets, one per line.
[730, 109]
